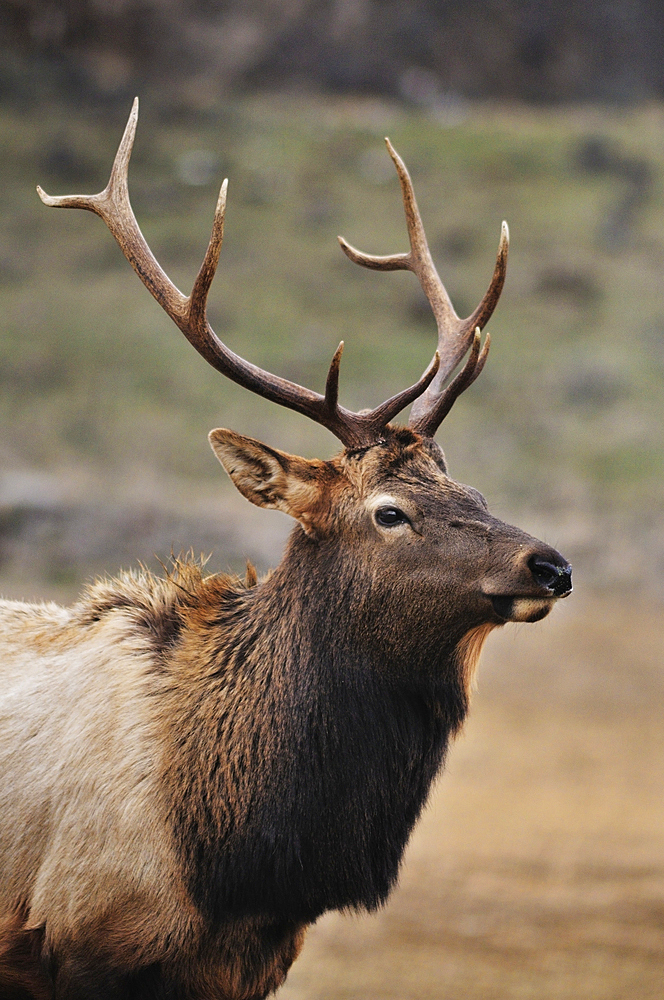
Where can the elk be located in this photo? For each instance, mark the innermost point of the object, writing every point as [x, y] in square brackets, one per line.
[196, 767]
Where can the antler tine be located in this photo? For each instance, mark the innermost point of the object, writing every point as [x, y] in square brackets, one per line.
[332, 380]
[189, 313]
[455, 335]
[429, 422]
[465, 330]
[113, 206]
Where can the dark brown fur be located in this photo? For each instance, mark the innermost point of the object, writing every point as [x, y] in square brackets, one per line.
[23, 972]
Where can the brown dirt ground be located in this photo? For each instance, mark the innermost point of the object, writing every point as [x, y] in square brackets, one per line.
[538, 868]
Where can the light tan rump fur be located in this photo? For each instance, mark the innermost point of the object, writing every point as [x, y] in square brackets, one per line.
[82, 840]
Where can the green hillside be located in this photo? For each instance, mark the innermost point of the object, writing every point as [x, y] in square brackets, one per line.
[103, 401]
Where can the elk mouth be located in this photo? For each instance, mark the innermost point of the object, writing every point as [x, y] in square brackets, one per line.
[521, 608]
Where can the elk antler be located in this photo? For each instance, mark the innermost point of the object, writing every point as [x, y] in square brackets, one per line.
[455, 335]
[190, 315]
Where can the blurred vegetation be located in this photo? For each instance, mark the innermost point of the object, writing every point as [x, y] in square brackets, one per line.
[427, 52]
[105, 401]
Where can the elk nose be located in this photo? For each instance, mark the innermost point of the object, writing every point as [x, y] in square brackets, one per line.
[557, 578]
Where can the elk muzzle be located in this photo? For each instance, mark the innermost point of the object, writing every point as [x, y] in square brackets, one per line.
[538, 580]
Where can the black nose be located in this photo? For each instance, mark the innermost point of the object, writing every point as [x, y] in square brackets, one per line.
[556, 579]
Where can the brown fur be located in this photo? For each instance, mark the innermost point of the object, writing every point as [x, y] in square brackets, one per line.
[23, 974]
[198, 766]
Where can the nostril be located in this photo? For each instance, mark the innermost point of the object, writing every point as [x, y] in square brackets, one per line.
[544, 572]
[557, 579]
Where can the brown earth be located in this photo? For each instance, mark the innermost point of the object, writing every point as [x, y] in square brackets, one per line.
[538, 869]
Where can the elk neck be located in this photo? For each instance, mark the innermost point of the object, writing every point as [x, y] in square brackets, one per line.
[299, 750]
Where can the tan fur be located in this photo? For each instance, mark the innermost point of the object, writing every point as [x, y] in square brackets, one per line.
[469, 651]
[251, 577]
[80, 829]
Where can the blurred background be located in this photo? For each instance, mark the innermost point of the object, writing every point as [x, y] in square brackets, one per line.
[538, 870]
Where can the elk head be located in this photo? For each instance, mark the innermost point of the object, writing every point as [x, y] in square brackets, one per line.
[384, 516]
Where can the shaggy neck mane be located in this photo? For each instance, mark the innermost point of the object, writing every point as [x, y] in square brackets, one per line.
[296, 741]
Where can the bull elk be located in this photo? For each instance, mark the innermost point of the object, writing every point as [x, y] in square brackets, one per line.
[195, 768]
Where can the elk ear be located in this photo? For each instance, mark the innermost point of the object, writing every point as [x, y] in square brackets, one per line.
[268, 477]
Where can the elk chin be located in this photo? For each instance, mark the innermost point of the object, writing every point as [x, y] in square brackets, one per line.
[522, 609]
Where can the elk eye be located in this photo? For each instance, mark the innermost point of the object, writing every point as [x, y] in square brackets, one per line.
[389, 516]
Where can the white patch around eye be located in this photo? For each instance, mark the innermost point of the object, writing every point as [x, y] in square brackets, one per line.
[383, 500]
[374, 504]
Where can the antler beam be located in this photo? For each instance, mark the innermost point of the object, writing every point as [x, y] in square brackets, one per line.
[455, 335]
[189, 313]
